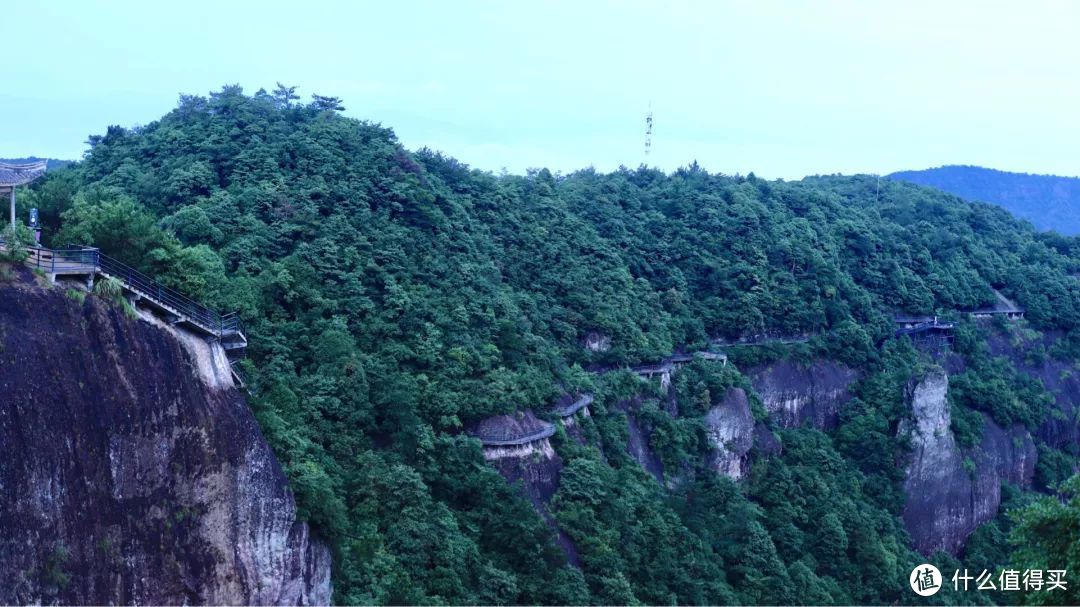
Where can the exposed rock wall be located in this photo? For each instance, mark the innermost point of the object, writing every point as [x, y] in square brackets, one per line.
[126, 476]
[730, 428]
[637, 442]
[595, 341]
[535, 464]
[951, 491]
[796, 394]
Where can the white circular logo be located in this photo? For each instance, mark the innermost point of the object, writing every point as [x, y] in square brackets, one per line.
[925, 580]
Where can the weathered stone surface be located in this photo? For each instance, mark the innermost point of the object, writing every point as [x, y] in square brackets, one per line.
[126, 478]
[637, 445]
[765, 441]
[951, 491]
[596, 342]
[538, 467]
[796, 394]
[535, 464]
[730, 428]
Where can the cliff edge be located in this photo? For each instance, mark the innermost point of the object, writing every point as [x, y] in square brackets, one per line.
[131, 471]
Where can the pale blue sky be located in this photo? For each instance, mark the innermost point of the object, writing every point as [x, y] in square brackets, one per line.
[783, 89]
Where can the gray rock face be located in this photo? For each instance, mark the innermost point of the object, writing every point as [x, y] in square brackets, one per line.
[765, 441]
[730, 428]
[951, 491]
[596, 342]
[126, 478]
[795, 394]
[538, 467]
[637, 444]
[535, 464]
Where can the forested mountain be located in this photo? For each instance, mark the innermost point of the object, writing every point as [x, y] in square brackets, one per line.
[394, 297]
[1048, 201]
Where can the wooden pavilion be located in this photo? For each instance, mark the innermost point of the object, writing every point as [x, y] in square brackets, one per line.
[13, 175]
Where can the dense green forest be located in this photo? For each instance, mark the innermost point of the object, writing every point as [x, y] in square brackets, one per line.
[393, 297]
[1049, 202]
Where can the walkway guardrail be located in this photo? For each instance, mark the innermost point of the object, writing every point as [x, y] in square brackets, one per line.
[510, 439]
[91, 261]
[582, 401]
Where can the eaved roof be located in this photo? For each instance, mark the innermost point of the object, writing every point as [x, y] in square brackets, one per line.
[12, 175]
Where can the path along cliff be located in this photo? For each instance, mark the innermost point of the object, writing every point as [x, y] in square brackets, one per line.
[131, 469]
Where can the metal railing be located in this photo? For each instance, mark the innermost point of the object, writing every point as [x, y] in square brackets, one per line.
[509, 438]
[153, 290]
[583, 401]
[90, 260]
[936, 325]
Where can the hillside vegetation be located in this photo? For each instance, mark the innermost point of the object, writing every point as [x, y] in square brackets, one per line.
[394, 296]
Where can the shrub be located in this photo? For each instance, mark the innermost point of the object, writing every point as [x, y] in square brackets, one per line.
[109, 288]
[16, 242]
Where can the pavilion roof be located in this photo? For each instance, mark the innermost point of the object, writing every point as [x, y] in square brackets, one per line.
[17, 174]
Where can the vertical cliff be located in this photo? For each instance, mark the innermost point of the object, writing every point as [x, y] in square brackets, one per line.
[729, 427]
[132, 472]
[795, 394]
[533, 462]
[951, 491]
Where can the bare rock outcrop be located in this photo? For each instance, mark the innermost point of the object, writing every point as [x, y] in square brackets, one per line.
[795, 394]
[595, 341]
[730, 428]
[951, 491]
[637, 445]
[126, 478]
[519, 446]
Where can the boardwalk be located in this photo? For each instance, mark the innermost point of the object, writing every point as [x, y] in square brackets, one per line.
[517, 429]
[923, 327]
[92, 264]
[582, 401]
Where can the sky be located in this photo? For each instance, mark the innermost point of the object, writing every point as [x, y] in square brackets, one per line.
[781, 89]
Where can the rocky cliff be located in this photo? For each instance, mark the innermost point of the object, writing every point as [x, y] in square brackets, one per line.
[534, 464]
[132, 472]
[729, 427]
[951, 491]
[795, 394]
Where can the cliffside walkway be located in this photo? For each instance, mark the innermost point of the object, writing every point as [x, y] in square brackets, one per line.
[582, 401]
[513, 440]
[923, 327]
[512, 430]
[669, 364]
[179, 309]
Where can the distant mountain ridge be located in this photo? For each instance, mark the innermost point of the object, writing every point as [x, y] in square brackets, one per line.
[1050, 202]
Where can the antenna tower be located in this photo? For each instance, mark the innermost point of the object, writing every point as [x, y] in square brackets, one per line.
[648, 130]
